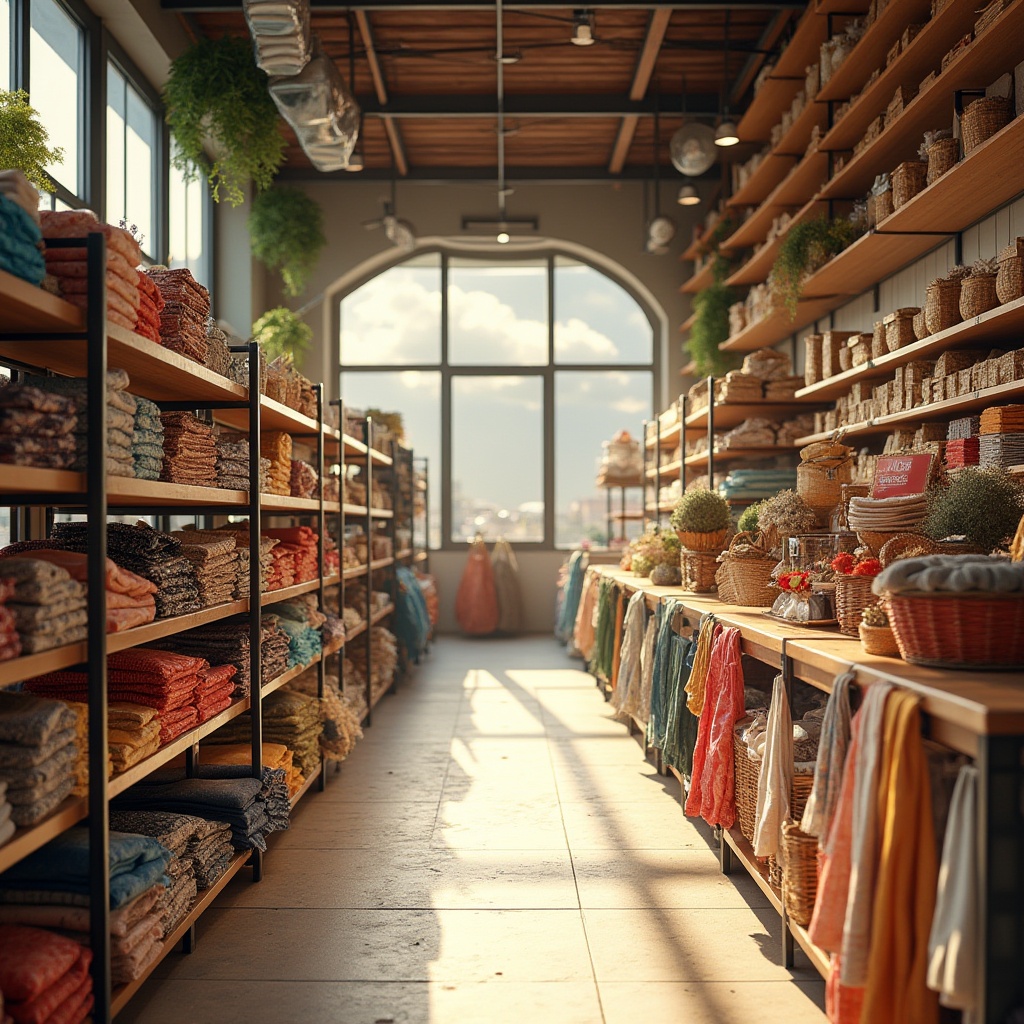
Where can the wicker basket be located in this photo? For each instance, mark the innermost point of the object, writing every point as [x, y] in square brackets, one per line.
[699, 569]
[878, 346]
[883, 205]
[942, 304]
[983, 118]
[901, 545]
[800, 872]
[899, 327]
[748, 775]
[846, 358]
[812, 359]
[920, 326]
[974, 631]
[875, 539]
[746, 579]
[907, 180]
[942, 156]
[978, 295]
[860, 349]
[878, 640]
[853, 595]
[1010, 279]
[703, 541]
[819, 482]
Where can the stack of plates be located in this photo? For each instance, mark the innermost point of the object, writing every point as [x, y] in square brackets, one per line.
[1003, 419]
[887, 515]
[1002, 450]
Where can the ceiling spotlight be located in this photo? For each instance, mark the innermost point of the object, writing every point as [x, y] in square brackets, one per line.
[503, 237]
[725, 134]
[688, 196]
[509, 58]
[583, 28]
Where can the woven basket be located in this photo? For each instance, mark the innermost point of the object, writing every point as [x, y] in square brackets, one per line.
[907, 180]
[942, 156]
[921, 326]
[982, 119]
[853, 595]
[883, 205]
[1010, 279]
[899, 327]
[846, 358]
[800, 872]
[748, 774]
[942, 304]
[977, 631]
[703, 541]
[978, 295]
[860, 349]
[878, 346]
[878, 640]
[875, 540]
[746, 579]
[819, 483]
[812, 359]
[901, 544]
[699, 569]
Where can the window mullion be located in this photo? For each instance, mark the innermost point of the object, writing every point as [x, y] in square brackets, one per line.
[446, 416]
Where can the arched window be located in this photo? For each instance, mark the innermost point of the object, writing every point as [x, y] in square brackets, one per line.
[509, 374]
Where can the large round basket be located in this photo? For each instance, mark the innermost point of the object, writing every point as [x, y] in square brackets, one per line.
[1010, 279]
[879, 641]
[702, 541]
[747, 773]
[875, 539]
[746, 578]
[982, 119]
[978, 295]
[799, 872]
[819, 482]
[699, 569]
[853, 595]
[942, 156]
[942, 305]
[972, 630]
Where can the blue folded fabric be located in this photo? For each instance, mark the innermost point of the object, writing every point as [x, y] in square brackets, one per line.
[20, 236]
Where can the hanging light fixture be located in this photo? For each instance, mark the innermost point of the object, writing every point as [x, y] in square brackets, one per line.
[660, 229]
[503, 237]
[688, 196]
[583, 28]
[726, 133]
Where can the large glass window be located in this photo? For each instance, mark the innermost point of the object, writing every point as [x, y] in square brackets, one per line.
[188, 213]
[57, 86]
[5, 44]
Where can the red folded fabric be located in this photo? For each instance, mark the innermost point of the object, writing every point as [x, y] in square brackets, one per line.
[175, 723]
[156, 665]
[211, 679]
[78, 223]
[32, 960]
[42, 1008]
[77, 1007]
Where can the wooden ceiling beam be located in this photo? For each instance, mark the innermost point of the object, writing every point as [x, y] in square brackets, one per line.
[235, 6]
[381, 89]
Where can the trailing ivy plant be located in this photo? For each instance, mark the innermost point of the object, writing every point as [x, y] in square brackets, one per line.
[806, 247]
[286, 232]
[711, 304]
[214, 90]
[24, 142]
[281, 332]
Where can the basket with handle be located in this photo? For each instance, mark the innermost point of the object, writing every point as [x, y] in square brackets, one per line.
[1010, 278]
[942, 304]
[799, 872]
[984, 117]
[745, 577]
[853, 595]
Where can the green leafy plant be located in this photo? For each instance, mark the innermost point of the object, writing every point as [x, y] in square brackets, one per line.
[653, 548]
[710, 328]
[701, 511]
[806, 247]
[287, 234]
[983, 505]
[214, 90]
[748, 520]
[24, 142]
[282, 332]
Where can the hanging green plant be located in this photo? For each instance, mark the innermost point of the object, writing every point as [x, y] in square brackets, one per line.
[214, 90]
[24, 142]
[710, 329]
[806, 247]
[280, 332]
[286, 232]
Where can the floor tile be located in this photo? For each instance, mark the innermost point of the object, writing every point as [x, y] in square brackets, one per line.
[627, 825]
[319, 825]
[515, 823]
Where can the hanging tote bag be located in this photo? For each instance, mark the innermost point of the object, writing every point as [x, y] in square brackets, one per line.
[506, 583]
[476, 603]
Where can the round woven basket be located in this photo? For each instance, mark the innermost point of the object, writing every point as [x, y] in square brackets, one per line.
[942, 157]
[746, 579]
[883, 205]
[972, 630]
[878, 640]
[942, 305]
[747, 774]
[901, 544]
[920, 326]
[978, 295]
[1010, 279]
[819, 483]
[853, 595]
[982, 119]
[800, 872]
[875, 540]
[699, 569]
[907, 180]
[702, 541]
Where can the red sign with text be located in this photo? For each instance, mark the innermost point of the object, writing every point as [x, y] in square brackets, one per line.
[897, 476]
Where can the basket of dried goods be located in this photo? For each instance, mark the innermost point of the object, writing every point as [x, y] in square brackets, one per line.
[978, 289]
[876, 635]
[701, 520]
[824, 467]
[984, 117]
[899, 327]
[744, 574]
[942, 302]
[698, 571]
[1010, 276]
[907, 180]
[942, 154]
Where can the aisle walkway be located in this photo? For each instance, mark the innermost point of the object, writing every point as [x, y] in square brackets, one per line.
[496, 850]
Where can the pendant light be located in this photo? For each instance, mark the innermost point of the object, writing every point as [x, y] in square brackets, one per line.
[692, 147]
[660, 229]
[583, 28]
[688, 196]
[726, 133]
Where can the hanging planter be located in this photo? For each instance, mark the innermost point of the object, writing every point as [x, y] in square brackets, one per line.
[280, 332]
[286, 233]
[806, 247]
[24, 142]
[215, 91]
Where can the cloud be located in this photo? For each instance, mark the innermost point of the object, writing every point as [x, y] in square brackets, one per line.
[393, 319]
[577, 341]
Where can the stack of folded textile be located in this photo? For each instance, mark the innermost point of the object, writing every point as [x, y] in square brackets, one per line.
[384, 649]
[756, 483]
[148, 442]
[190, 452]
[888, 515]
[961, 429]
[301, 543]
[81, 767]
[7, 826]
[275, 755]
[70, 266]
[215, 690]
[44, 977]
[965, 451]
[218, 356]
[354, 687]
[240, 531]
[183, 318]
[301, 620]
[1002, 436]
[232, 462]
[130, 598]
[210, 851]
[339, 720]
[20, 238]
[282, 566]
[16, 188]
[332, 633]
[36, 427]
[274, 649]
[133, 733]
[48, 606]
[240, 549]
[10, 644]
[303, 480]
[276, 446]
[149, 553]
[289, 718]
[151, 305]
[332, 489]
[215, 561]
[121, 409]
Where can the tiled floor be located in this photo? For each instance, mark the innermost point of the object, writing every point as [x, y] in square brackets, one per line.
[496, 850]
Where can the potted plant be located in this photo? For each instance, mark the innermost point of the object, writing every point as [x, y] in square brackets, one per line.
[876, 635]
[286, 233]
[654, 549]
[853, 580]
[784, 515]
[982, 505]
[280, 332]
[805, 248]
[701, 520]
[215, 91]
[24, 142]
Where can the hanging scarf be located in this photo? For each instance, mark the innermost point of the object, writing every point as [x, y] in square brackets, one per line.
[699, 673]
[643, 704]
[832, 749]
[629, 659]
[776, 774]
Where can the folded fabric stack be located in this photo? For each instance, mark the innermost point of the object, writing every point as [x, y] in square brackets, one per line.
[240, 531]
[755, 484]
[276, 446]
[332, 557]
[385, 659]
[301, 620]
[151, 306]
[275, 755]
[210, 851]
[10, 644]
[1002, 419]
[215, 561]
[16, 188]
[20, 239]
[70, 266]
[354, 692]
[339, 720]
[36, 427]
[232, 462]
[133, 733]
[148, 441]
[121, 409]
[149, 553]
[190, 452]
[301, 543]
[274, 649]
[215, 690]
[791, 430]
[238, 554]
[740, 387]
[282, 566]
[218, 356]
[963, 452]
[767, 364]
[1001, 450]
[332, 633]
[752, 433]
[888, 515]
[81, 766]
[304, 479]
[183, 318]
[47, 605]
[332, 489]
[969, 426]
[130, 598]
[44, 977]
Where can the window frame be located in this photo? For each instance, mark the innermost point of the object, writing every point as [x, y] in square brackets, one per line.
[546, 372]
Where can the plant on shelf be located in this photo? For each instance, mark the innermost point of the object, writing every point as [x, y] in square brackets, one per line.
[280, 332]
[711, 306]
[286, 233]
[701, 520]
[24, 142]
[846, 564]
[748, 521]
[805, 248]
[784, 515]
[983, 505]
[215, 91]
[655, 547]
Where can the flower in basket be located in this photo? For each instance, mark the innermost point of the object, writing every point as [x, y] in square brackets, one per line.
[796, 582]
[846, 564]
[867, 567]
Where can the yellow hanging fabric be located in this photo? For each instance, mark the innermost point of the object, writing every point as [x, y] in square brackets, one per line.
[699, 673]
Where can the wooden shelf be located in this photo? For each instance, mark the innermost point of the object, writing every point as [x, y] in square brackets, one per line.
[733, 414]
[403, 555]
[353, 572]
[772, 329]
[733, 454]
[667, 438]
[699, 281]
[381, 614]
[765, 178]
[286, 503]
[996, 50]
[382, 513]
[381, 563]
[27, 307]
[669, 471]
[757, 268]
[27, 840]
[286, 593]
[359, 630]
[286, 677]
[758, 871]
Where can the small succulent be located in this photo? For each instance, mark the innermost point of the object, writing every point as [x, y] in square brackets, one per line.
[701, 511]
[874, 615]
